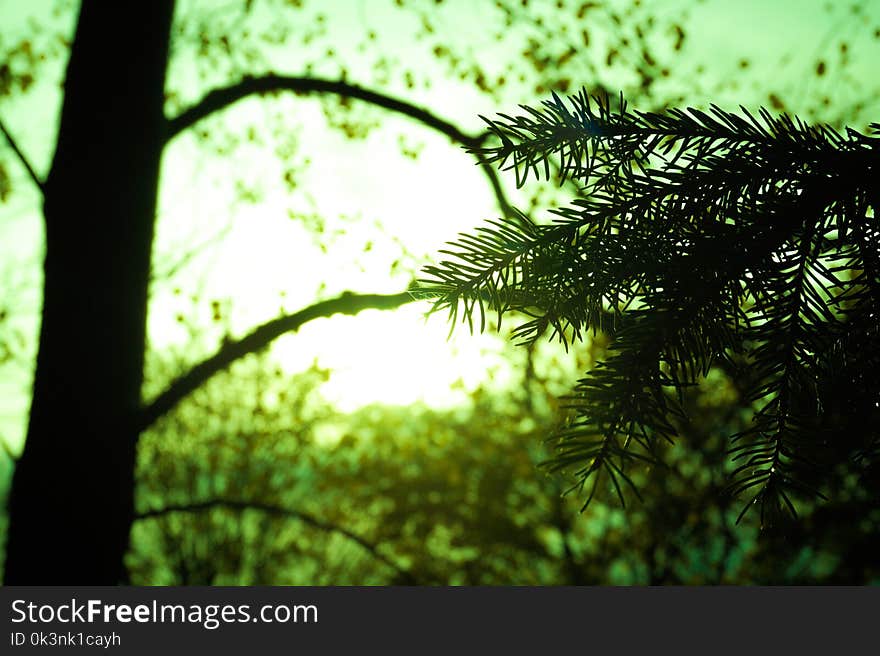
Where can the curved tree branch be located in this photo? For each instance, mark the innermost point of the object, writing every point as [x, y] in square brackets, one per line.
[21, 158]
[221, 98]
[256, 340]
[232, 504]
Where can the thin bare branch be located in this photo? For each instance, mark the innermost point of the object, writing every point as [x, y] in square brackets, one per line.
[234, 504]
[187, 257]
[221, 98]
[258, 339]
[21, 158]
[7, 450]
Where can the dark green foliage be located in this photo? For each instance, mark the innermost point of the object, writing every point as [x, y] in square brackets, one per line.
[699, 240]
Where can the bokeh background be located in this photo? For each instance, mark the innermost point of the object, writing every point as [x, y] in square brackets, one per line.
[382, 448]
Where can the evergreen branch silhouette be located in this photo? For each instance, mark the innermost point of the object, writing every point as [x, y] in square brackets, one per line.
[697, 237]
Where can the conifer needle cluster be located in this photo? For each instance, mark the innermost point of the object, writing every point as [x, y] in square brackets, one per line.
[699, 239]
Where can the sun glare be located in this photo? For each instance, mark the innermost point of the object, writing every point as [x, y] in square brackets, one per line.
[396, 358]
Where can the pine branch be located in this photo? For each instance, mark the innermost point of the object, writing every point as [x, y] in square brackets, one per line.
[703, 235]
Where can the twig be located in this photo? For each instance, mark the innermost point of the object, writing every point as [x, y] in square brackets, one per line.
[271, 509]
[21, 158]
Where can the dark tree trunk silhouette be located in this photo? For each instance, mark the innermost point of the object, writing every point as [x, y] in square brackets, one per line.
[71, 504]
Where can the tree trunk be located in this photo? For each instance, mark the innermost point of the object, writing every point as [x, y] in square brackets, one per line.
[71, 503]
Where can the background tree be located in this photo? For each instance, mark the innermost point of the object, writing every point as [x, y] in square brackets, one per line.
[95, 386]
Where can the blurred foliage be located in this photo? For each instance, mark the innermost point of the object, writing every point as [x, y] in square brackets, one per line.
[256, 480]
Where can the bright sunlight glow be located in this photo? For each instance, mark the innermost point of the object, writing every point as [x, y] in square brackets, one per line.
[398, 358]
